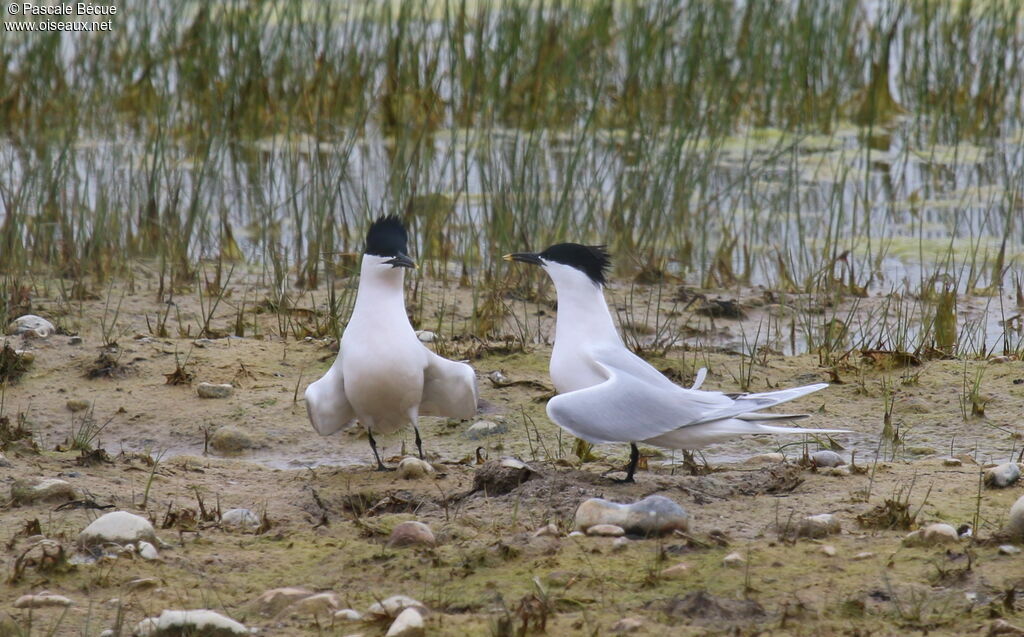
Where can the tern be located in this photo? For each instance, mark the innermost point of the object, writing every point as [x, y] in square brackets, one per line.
[606, 393]
[384, 377]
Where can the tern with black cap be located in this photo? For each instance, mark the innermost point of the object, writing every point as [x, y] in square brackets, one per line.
[384, 377]
[606, 393]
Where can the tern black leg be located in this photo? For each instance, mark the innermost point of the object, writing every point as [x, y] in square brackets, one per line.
[373, 445]
[634, 459]
[419, 443]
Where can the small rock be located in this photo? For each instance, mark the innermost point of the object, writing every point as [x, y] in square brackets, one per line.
[147, 551]
[653, 515]
[76, 405]
[1008, 549]
[628, 625]
[620, 544]
[43, 599]
[242, 519]
[932, 535]
[426, 336]
[142, 583]
[548, 530]
[319, 604]
[214, 390]
[392, 606]
[231, 439]
[1015, 524]
[118, 527]
[676, 571]
[999, 359]
[75, 340]
[413, 468]
[484, 428]
[606, 530]
[1003, 475]
[577, 534]
[863, 555]
[733, 560]
[348, 615]
[818, 526]
[411, 534]
[498, 477]
[498, 377]
[272, 602]
[829, 550]
[175, 622]
[826, 458]
[45, 490]
[952, 462]
[4, 462]
[766, 458]
[409, 623]
[31, 325]
[838, 472]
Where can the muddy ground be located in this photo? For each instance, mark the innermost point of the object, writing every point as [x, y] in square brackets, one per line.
[326, 516]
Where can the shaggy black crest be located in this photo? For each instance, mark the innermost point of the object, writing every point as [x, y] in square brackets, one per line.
[387, 237]
[594, 261]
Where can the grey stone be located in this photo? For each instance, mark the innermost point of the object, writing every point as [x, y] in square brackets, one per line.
[413, 468]
[1015, 523]
[818, 526]
[242, 519]
[31, 325]
[214, 390]
[606, 530]
[411, 534]
[766, 458]
[1008, 549]
[117, 527]
[199, 622]
[484, 428]
[43, 599]
[43, 490]
[409, 623]
[392, 606]
[231, 439]
[272, 602]
[826, 458]
[935, 534]
[1002, 476]
[733, 560]
[651, 516]
[147, 551]
[348, 615]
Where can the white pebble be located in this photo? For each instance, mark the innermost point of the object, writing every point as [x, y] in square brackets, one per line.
[189, 621]
[413, 468]
[733, 560]
[214, 390]
[409, 623]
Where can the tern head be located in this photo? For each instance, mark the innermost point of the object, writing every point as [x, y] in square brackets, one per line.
[569, 261]
[388, 241]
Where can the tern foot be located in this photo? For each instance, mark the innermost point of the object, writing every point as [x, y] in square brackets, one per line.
[382, 467]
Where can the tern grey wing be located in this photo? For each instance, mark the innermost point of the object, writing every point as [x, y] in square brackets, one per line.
[326, 403]
[746, 404]
[449, 388]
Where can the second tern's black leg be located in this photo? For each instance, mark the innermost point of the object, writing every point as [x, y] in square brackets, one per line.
[419, 443]
[634, 459]
[373, 445]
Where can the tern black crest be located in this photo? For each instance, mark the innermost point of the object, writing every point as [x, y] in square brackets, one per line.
[387, 237]
[594, 261]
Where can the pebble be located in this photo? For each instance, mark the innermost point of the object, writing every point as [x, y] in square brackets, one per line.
[147, 551]
[413, 468]
[141, 583]
[44, 490]
[319, 604]
[838, 472]
[620, 544]
[43, 599]
[829, 550]
[577, 534]
[119, 527]
[272, 602]
[498, 477]
[606, 530]
[411, 534]
[932, 535]
[242, 519]
[202, 621]
[409, 623]
[653, 515]
[425, 336]
[818, 526]
[76, 405]
[31, 325]
[863, 555]
[766, 458]
[733, 560]
[826, 458]
[75, 340]
[4, 462]
[348, 615]
[627, 625]
[214, 390]
[548, 530]
[1015, 524]
[676, 571]
[392, 606]
[1008, 549]
[1002, 476]
[484, 428]
[231, 439]
[952, 462]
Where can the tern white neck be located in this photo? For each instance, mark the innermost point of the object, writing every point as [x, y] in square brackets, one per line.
[381, 289]
[583, 315]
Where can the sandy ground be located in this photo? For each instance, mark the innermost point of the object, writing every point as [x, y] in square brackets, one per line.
[327, 516]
